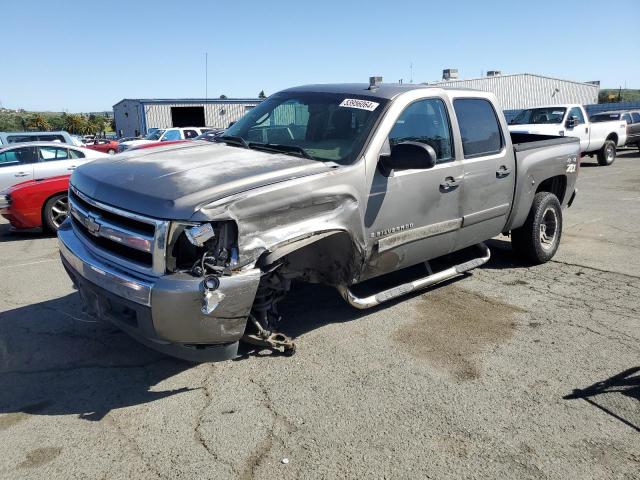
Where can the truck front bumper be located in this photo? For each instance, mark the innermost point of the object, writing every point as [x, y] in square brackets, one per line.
[161, 312]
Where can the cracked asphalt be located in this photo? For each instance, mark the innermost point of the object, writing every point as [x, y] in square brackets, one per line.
[510, 372]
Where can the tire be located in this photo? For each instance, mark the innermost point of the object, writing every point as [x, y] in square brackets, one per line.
[111, 151]
[55, 211]
[537, 241]
[607, 154]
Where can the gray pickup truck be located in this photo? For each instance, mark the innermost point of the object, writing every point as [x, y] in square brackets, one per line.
[190, 247]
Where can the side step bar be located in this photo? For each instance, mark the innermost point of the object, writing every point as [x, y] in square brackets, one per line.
[391, 293]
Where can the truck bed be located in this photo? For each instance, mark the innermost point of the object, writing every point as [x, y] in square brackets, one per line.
[529, 141]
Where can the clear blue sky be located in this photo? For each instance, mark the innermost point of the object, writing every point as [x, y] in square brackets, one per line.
[83, 56]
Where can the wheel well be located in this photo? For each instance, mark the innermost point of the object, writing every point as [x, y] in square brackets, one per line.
[556, 185]
[330, 260]
[613, 137]
[44, 204]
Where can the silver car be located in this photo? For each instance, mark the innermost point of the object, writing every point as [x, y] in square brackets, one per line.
[20, 162]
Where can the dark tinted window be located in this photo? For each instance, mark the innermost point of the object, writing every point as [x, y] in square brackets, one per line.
[17, 156]
[425, 121]
[604, 117]
[190, 134]
[21, 138]
[76, 153]
[627, 118]
[636, 117]
[479, 126]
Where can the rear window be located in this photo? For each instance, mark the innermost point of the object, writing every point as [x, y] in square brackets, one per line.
[636, 117]
[479, 128]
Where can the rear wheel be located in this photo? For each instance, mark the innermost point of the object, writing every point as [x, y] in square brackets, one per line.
[538, 239]
[55, 211]
[111, 151]
[607, 154]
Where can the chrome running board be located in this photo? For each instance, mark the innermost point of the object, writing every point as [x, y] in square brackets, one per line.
[391, 293]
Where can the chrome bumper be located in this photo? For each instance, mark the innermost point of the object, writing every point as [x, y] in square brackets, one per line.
[164, 310]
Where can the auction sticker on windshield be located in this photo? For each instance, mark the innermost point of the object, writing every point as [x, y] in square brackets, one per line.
[361, 104]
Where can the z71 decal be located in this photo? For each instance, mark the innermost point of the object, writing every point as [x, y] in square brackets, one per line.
[572, 164]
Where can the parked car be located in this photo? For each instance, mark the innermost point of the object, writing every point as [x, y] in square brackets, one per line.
[156, 144]
[103, 145]
[36, 203]
[210, 135]
[37, 160]
[161, 135]
[601, 139]
[7, 138]
[632, 119]
[192, 256]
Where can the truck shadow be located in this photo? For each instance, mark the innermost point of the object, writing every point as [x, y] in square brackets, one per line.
[55, 361]
[626, 383]
[7, 235]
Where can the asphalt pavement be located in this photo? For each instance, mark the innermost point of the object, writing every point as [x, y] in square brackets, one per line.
[510, 372]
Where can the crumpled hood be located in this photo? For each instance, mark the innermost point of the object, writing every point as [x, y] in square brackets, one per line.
[174, 182]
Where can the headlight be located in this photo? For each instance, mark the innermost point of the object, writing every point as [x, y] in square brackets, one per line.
[211, 247]
[5, 200]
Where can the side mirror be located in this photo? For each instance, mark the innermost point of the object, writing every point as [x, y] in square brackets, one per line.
[407, 156]
[571, 122]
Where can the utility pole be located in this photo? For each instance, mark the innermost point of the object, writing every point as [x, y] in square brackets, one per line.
[411, 67]
[206, 75]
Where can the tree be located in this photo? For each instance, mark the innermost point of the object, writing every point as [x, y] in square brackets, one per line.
[38, 122]
[223, 97]
[74, 123]
[261, 94]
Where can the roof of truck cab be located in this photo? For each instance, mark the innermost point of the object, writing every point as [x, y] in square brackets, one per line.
[385, 90]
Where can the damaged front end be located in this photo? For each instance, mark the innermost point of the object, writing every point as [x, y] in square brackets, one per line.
[209, 251]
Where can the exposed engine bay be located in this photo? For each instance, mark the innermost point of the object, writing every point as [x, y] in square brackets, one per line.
[210, 251]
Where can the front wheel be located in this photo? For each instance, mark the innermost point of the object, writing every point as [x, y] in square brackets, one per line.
[55, 211]
[538, 239]
[111, 151]
[607, 154]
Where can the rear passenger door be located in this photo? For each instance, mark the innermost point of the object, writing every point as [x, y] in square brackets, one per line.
[53, 161]
[16, 166]
[489, 171]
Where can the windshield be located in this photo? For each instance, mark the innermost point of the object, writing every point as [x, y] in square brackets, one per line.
[322, 126]
[604, 117]
[155, 135]
[538, 116]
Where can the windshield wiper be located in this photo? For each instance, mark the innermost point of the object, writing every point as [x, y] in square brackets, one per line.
[241, 142]
[277, 147]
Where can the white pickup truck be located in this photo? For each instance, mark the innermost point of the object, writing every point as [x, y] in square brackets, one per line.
[601, 138]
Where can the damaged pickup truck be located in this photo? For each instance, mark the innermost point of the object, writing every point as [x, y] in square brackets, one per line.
[189, 248]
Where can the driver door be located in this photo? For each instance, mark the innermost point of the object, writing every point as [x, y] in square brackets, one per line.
[414, 215]
[580, 130]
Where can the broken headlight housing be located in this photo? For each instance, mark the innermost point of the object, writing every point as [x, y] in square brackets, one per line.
[209, 248]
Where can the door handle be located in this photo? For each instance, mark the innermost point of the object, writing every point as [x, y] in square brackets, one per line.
[449, 184]
[21, 174]
[72, 167]
[503, 171]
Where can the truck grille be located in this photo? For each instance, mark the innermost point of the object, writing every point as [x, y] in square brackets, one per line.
[122, 237]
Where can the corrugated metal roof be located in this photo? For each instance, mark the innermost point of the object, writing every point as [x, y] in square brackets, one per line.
[511, 75]
[190, 100]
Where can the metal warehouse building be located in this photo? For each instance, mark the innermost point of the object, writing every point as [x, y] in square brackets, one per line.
[524, 90]
[134, 117]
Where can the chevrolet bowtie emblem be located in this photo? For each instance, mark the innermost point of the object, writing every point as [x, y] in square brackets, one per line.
[92, 224]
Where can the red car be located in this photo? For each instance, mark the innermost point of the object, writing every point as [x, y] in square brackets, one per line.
[103, 145]
[36, 203]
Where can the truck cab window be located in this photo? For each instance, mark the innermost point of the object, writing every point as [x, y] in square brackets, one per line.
[479, 128]
[425, 121]
[577, 113]
[171, 135]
